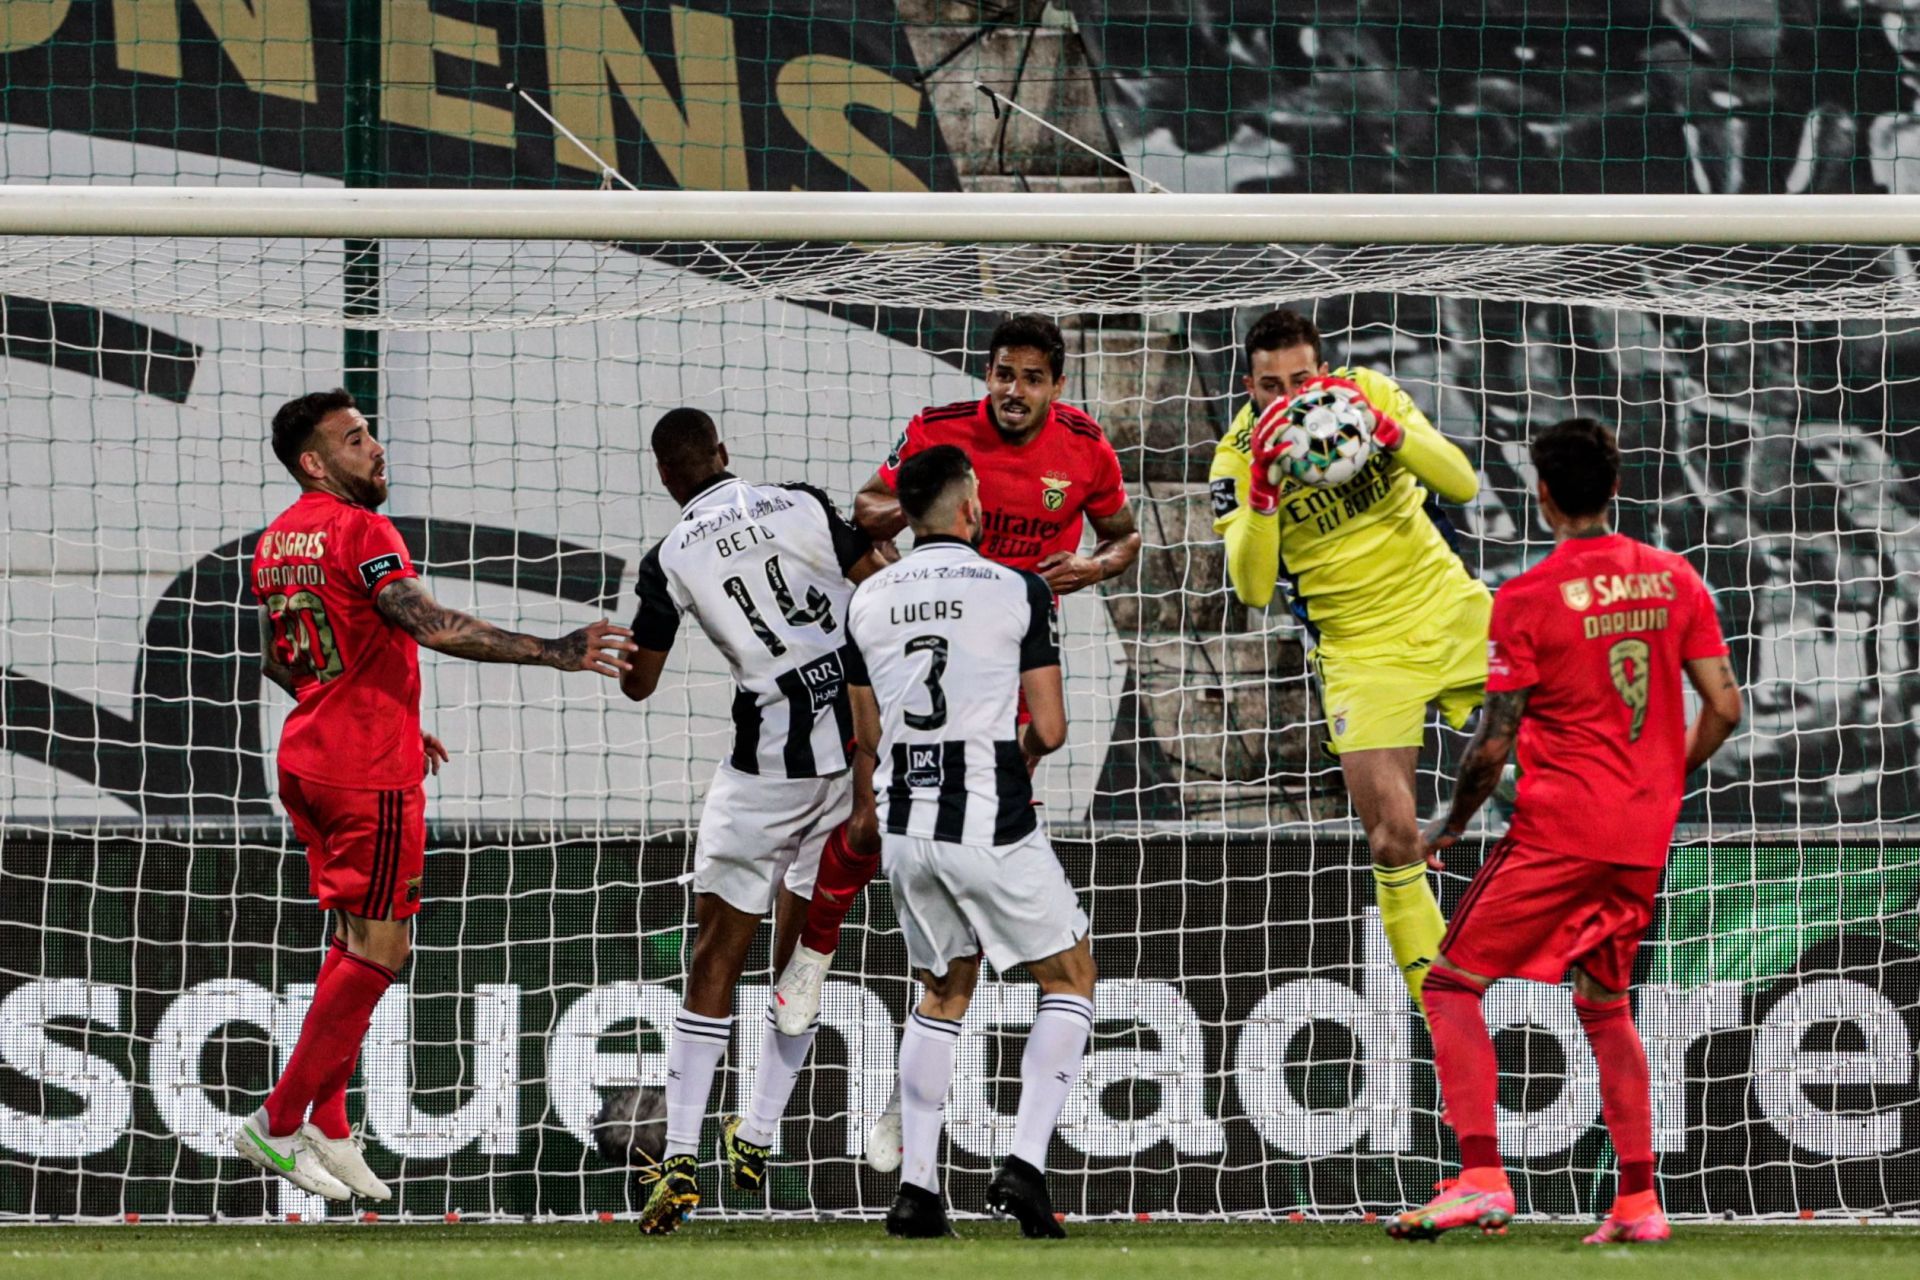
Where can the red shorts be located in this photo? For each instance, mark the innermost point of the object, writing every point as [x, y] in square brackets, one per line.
[365, 849]
[1531, 914]
[1022, 714]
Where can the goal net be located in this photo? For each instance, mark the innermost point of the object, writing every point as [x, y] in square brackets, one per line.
[1255, 1052]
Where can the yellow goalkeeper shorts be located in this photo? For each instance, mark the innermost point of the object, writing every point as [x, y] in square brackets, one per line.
[1379, 699]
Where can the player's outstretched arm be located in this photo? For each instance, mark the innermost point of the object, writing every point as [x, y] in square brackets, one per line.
[876, 510]
[1480, 770]
[270, 665]
[1118, 547]
[1046, 732]
[599, 647]
[1720, 708]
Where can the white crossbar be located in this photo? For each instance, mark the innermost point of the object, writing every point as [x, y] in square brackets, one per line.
[1106, 218]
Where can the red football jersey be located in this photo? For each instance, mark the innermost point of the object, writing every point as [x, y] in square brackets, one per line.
[1599, 630]
[316, 570]
[1034, 493]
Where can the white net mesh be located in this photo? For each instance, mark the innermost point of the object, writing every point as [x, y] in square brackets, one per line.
[448, 285]
[1256, 1053]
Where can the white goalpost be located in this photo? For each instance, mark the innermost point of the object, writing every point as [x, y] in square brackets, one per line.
[1255, 1053]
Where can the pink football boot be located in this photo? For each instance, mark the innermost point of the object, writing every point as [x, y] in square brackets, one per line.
[1633, 1223]
[1459, 1204]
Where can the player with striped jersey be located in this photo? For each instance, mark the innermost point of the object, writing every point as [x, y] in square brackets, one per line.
[1395, 620]
[941, 647]
[1046, 472]
[763, 570]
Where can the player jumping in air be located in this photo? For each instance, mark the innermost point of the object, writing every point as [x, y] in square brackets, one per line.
[1395, 619]
[1584, 667]
[342, 616]
[763, 570]
[941, 646]
[1043, 467]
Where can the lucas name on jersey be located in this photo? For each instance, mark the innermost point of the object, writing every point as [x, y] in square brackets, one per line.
[926, 611]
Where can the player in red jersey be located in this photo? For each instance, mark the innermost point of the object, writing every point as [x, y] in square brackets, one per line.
[1045, 468]
[342, 616]
[1585, 656]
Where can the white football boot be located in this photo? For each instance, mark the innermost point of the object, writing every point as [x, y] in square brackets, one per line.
[796, 997]
[884, 1142]
[289, 1157]
[344, 1158]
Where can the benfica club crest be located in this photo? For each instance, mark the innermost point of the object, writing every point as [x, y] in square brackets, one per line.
[1054, 495]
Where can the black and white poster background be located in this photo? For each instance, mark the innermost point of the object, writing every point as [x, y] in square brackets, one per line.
[1780, 456]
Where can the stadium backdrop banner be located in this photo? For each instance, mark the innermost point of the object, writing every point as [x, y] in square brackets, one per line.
[1259, 1055]
[1255, 1053]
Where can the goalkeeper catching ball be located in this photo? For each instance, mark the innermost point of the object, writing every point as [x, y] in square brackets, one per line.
[1394, 620]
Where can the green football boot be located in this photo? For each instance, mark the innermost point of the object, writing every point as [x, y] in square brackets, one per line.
[747, 1161]
[673, 1196]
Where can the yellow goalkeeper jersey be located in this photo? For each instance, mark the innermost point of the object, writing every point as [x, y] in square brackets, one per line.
[1364, 562]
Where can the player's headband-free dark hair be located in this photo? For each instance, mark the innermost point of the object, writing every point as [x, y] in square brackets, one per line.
[1034, 331]
[1279, 330]
[686, 441]
[1579, 462]
[299, 418]
[928, 476]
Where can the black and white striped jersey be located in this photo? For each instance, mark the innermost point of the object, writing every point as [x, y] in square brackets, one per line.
[762, 569]
[942, 637]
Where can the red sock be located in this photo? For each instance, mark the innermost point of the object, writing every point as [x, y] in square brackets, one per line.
[329, 1114]
[1626, 1101]
[843, 874]
[335, 1025]
[1469, 1070]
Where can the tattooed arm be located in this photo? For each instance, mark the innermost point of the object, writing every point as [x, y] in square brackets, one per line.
[1480, 771]
[1720, 708]
[599, 647]
[270, 665]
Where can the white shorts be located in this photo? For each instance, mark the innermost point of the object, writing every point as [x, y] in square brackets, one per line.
[955, 900]
[757, 833]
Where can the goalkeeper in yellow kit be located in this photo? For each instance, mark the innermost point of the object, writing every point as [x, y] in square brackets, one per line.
[1395, 620]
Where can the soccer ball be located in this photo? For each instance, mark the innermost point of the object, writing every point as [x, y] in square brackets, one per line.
[631, 1128]
[1326, 437]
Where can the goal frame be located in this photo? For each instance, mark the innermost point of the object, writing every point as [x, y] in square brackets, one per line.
[959, 217]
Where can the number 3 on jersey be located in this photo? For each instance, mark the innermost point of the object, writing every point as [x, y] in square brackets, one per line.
[302, 636]
[935, 647]
[817, 608]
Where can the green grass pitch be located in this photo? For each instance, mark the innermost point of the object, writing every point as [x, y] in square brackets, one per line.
[988, 1251]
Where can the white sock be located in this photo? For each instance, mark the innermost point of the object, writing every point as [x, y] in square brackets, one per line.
[698, 1045]
[781, 1058]
[1049, 1069]
[926, 1070]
